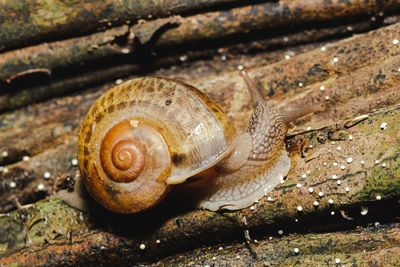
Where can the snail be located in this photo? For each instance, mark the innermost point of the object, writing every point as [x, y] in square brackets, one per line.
[146, 135]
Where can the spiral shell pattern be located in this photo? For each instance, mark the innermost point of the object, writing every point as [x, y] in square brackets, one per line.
[145, 134]
[122, 158]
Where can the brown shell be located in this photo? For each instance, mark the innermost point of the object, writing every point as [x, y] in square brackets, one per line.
[181, 130]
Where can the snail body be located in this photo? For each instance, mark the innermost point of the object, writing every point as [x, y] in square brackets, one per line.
[144, 136]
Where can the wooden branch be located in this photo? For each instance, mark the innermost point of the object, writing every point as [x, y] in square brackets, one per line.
[350, 84]
[202, 27]
[42, 233]
[268, 17]
[366, 247]
[27, 22]
[64, 53]
[344, 172]
[299, 42]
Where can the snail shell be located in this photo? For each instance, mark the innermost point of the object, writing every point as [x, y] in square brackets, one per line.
[145, 134]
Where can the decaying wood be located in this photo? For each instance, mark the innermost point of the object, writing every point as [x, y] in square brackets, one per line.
[51, 232]
[372, 56]
[345, 161]
[25, 22]
[17, 97]
[351, 83]
[197, 28]
[372, 246]
[64, 53]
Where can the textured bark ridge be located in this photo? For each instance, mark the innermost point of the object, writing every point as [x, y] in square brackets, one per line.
[366, 196]
[339, 203]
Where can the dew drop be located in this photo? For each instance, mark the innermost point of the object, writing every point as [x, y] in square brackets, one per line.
[299, 208]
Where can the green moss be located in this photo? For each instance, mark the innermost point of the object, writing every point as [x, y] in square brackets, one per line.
[384, 182]
[48, 220]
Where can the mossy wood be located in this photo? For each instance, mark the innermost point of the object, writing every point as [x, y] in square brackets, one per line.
[340, 200]
[51, 231]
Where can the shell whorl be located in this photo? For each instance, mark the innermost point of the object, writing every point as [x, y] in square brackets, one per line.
[178, 130]
[122, 156]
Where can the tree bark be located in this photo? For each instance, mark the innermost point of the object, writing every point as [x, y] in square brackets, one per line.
[51, 232]
[27, 22]
[339, 201]
[199, 28]
[371, 246]
[17, 96]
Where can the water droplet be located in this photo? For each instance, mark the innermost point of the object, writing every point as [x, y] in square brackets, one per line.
[364, 211]
[41, 187]
[46, 175]
[125, 50]
[74, 162]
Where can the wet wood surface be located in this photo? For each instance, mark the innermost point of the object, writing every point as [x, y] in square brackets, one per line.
[340, 200]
